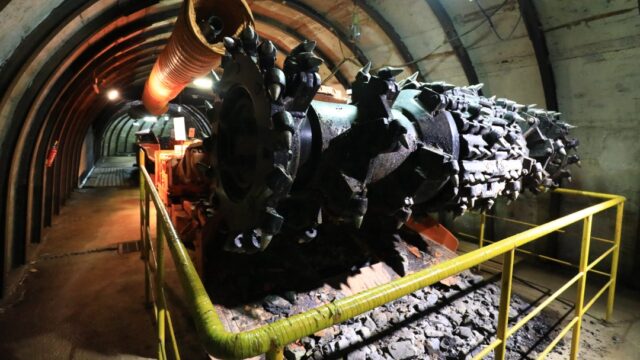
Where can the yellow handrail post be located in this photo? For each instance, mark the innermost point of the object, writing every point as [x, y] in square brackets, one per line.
[144, 223]
[276, 353]
[147, 242]
[505, 300]
[142, 191]
[614, 261]
[584, 261]
[162, 307]
[174, 342]
[483, 222]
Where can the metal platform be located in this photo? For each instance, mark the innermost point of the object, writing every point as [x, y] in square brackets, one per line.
[115, 171]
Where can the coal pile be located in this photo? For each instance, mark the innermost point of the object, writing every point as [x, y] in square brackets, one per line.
[440, 322]
[453, 319]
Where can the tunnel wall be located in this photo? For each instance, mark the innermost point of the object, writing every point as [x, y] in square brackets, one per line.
[42, 101]
[118, 138]
[87, 156]
[593, 49]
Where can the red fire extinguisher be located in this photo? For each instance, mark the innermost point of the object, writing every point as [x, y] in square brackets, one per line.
[51, 156]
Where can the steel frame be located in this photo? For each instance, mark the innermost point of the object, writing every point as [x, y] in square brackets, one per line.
[393, 35]
[306, 10]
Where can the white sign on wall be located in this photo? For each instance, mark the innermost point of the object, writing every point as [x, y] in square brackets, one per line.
[179, 129]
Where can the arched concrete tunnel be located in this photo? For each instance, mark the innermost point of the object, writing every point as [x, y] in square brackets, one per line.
[60, 58]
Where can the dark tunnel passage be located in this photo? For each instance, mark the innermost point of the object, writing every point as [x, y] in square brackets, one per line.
[118, 137]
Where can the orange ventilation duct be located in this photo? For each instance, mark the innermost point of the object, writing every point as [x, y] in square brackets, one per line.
[194, 48]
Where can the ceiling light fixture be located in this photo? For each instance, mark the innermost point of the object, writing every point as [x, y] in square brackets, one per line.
[203, 83]
[113, 95]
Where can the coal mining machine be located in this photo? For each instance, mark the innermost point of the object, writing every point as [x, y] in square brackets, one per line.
[280, 162]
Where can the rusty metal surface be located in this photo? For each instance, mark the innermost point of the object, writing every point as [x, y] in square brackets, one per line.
[433, 230]
[189, 54]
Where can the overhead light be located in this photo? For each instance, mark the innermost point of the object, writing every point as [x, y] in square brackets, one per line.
[113, 94]
[150, 118]
[203, 83]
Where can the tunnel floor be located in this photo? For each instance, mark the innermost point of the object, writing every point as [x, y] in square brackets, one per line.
[113, 171]
[83, 295]
[81, 299]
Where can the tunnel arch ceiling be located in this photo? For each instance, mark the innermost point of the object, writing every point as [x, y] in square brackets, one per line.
[118, 135]
[49, 66]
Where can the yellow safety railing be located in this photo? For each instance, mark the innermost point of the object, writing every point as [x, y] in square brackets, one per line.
[153, 257]
[271, 338]
[584, 267]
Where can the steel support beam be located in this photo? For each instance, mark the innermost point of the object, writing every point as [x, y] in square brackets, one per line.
[538, 41]
[308, 11]
[454, 40]
[37, 40]
[392, 34]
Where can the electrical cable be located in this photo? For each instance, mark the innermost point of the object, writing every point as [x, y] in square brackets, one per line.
[490, 21]
[449, 40]
[345, 58]
[487, 18]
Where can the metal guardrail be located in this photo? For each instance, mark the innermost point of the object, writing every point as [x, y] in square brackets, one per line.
[272, 338]
[583, 267]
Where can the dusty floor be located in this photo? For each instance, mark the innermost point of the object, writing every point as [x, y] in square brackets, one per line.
[618, 339]
[87, 304]
[82, 299]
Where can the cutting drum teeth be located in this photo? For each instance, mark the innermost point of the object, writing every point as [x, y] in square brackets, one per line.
[441, 146]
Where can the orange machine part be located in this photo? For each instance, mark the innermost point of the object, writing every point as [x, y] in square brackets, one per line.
[432, 229]
[188, 55]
